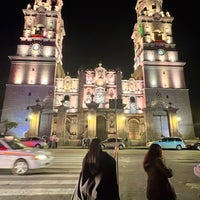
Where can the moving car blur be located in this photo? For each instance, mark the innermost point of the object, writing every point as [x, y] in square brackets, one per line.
[21, 159]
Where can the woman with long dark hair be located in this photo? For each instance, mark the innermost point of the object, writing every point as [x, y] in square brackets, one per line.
[98, 177]
[158, 185]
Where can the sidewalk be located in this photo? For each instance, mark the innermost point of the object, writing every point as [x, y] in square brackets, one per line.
[129, 147]
[80, 147]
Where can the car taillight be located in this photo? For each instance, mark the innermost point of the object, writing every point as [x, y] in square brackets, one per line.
[3, 148]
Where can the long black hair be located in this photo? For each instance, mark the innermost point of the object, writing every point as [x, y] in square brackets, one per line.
[155, 151]
[93, 155]
[94, 151]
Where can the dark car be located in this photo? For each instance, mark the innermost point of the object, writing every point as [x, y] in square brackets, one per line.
[111, 143]
[193, 146]
[46, 138]
[33, 141]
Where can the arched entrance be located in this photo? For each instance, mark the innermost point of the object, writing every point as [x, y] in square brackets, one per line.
[101, 128]
[134, 133]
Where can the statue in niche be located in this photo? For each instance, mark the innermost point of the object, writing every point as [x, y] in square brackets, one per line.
[88, 96]
[132, 105]
[112, 121]
[89, 78]
[111, 93]
[73, 126]
[111, 79]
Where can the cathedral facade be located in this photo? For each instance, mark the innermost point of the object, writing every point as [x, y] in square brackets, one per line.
[154, 102]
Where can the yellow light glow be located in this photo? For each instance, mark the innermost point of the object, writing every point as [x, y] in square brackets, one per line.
[30, 116]
[18, 75]
[150, 56]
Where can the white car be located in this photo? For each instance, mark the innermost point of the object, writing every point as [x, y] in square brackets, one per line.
[111, 143]
[169, 143]
[20, 159]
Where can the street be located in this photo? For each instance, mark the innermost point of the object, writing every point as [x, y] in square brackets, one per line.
[58, 180]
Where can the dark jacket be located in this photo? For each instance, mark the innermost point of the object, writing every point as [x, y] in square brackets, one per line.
[158, 186]
[107, 189]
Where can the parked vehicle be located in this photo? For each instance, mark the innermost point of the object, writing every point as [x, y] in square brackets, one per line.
[170, 143]
[33, 141]
[45, 138]
[111, 143]
[21, 159]
[194, 146]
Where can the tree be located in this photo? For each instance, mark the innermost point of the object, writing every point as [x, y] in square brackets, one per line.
[8, 125]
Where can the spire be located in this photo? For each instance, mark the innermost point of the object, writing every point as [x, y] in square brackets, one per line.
[49, 5]
[148, 7]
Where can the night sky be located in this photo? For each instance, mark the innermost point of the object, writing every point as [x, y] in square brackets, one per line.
[101, 31]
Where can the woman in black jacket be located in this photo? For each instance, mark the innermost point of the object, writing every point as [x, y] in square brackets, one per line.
[98, 177]
[158, 185]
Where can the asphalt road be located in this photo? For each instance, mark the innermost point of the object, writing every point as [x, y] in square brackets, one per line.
[58, 180]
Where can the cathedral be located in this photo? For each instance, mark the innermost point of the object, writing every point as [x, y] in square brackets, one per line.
[153, 103]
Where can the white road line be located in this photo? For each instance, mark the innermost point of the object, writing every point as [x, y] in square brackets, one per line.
[40, 175]
[35, 191]
[37, 182]
[67, 166]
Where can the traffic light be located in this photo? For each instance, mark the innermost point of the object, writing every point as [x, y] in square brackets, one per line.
[112, 103]
[115, 103]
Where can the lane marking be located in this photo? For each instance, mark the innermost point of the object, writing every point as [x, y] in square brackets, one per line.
[35, 191]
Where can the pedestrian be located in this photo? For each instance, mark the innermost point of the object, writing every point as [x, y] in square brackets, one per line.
[84, 142]
[53, 142]
[81, 139]
[158, 174]
[87, 142]
[56, 141]
[197, 170]
[98, 177]
[50, 141]
[126, 141]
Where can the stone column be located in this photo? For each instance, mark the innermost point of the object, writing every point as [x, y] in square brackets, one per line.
[172, 121]
[35, 119]
[92, 107]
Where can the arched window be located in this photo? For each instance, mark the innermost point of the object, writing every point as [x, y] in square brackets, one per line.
[66, 97]
[132, 105]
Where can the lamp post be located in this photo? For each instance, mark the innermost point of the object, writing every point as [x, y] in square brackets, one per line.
[161, 130]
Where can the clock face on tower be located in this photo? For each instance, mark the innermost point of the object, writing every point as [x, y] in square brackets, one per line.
[36, 49]
[161, 52]
[36, 46]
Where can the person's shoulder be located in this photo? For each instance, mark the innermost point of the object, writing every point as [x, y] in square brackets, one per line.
[159, 162]
[159, 159]
[107, 156]
[105, 153]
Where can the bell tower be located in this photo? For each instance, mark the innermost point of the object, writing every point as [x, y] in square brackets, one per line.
[157, 63]
[36, 65]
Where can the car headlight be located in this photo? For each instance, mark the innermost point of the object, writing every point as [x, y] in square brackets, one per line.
[40, 157]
